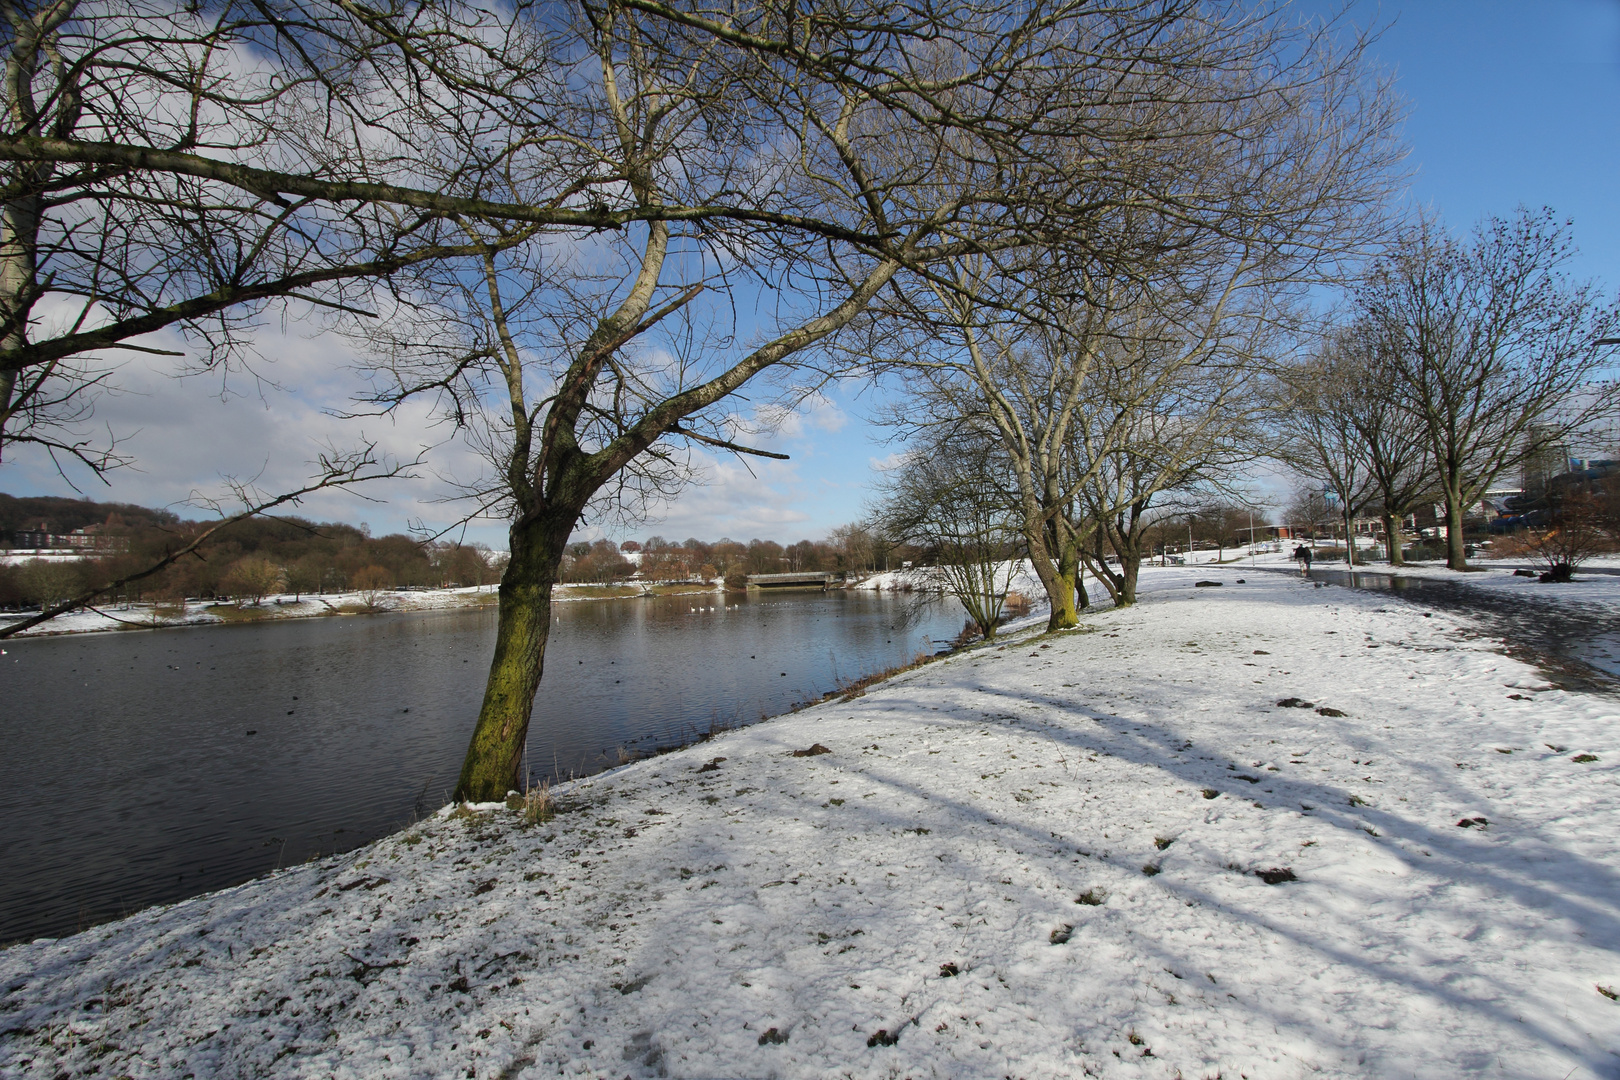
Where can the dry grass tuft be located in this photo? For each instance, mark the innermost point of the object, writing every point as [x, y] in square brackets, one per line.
[537, 805]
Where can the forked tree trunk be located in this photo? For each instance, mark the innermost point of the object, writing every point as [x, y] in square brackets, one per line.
[495, 756]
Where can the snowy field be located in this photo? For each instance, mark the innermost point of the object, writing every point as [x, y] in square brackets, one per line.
[1261, 831]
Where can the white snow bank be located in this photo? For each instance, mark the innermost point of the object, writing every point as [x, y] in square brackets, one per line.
[105, 617]
[1035, 860]
[1015, 576]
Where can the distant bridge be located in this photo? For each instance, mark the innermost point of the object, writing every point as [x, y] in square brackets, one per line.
[791, 581]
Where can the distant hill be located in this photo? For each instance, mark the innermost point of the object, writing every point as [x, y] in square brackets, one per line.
[64, 515]
[309, 556]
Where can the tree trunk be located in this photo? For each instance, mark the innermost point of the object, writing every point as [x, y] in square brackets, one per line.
[1129, 565]
[19, 235]
[1110, 581]
[1349, 537]
[1456, 553]
[495, 755]
[1040, 560]
[1392, 539]
[1064, 613]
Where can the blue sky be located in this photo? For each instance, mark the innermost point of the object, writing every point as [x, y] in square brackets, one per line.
[1508, 103]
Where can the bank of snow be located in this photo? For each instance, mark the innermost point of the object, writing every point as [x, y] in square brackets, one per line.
[1040, 860]
[1013, 576]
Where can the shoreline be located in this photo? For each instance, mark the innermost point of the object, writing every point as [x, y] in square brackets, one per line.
[906, 901]
[202, 613]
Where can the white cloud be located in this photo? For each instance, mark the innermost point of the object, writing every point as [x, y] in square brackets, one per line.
[814, 416]
[763, 499]
[186, 434]
[890, 462]
[267, 422]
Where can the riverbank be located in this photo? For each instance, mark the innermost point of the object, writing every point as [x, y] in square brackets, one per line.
[105, 618]
[1264, 829]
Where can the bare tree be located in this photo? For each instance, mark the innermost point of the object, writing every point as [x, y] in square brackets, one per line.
[945, 500]
[373, 583]
[49, 582]
[1497, 350]
[1580, 527]
[1153, 439]
[1318, 401]
[587, 371]
[1399, 458]
[854, 545]
[1020, 349]
[127, 205]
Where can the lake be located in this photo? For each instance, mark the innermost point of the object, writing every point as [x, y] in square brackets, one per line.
[144, 767]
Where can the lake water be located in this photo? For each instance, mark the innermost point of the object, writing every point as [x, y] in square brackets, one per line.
[144, 767]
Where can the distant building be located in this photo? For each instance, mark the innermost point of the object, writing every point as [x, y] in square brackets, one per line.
[90, 538]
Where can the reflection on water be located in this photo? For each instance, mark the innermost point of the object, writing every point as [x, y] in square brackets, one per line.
[145, 767]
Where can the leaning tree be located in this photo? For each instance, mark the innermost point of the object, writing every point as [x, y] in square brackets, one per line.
[868, 150]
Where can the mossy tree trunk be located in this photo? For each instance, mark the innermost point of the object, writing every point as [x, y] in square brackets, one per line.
[494, 761]
[1065, 609]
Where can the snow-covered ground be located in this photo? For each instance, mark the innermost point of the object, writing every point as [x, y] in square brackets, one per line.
[1262, 830]
[15, 556]
[1015, 575]
[285, 606]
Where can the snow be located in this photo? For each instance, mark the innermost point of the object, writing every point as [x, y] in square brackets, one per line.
[105, 617]
[1016, 576]
[907, 904]
[18, 556]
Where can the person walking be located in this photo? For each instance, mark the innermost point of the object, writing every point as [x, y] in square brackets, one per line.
[1302, 555]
